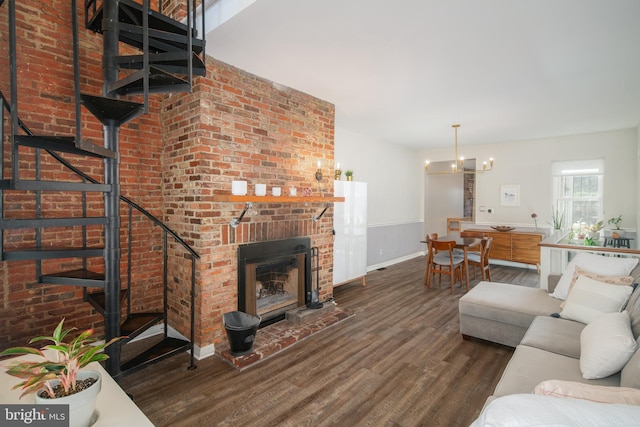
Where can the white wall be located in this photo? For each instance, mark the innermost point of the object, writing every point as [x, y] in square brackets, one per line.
[393, 173]
[395, 195]
[528, 164]
[444, 198]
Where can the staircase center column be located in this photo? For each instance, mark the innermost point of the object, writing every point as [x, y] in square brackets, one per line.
[112, 248]
[112, 198]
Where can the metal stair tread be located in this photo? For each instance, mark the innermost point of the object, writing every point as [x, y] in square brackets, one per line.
[159, 81]
[51, 252]
[78, 277]
[159, 40]
[65, 144]
[165, 348]
[136, 323]
[170, 62]
[133, 15]
[33, 185]
[98, 299]
[111, 109]
[15, 223]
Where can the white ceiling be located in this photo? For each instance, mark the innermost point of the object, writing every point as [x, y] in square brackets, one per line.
[403, 71]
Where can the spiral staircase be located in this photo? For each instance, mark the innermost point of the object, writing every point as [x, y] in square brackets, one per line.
[169, 56]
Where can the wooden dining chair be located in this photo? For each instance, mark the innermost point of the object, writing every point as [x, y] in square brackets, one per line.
[427, 239]
[443, 261]
[481, 259]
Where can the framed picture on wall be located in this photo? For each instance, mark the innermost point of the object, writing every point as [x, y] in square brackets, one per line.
[510, 195]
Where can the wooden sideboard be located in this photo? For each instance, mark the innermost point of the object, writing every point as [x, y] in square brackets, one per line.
[514, 246]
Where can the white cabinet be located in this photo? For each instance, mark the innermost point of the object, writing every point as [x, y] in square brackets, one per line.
[350, 226]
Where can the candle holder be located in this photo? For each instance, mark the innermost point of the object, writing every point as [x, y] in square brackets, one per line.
[319, 179]
[337, 175]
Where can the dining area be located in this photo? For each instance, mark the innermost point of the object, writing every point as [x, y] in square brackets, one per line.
[453, 255]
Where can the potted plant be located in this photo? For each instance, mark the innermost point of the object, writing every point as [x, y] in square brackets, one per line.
[56, 372]
[593, 230]
[618, 232]
[349, 174]
[579, 230]
[557, 218]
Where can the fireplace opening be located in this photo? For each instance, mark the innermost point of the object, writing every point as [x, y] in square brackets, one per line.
[274, 277]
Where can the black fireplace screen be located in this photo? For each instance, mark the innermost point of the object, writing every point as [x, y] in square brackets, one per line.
[274, 277]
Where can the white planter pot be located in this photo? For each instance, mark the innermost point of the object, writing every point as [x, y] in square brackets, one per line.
[81, 405]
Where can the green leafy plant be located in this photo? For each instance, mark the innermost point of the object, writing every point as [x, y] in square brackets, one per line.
[594, 228]
[68, 359]
[557, 218]
[588, 241]
[348, 172]
[615, 222]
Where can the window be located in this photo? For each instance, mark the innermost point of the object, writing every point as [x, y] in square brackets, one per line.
[577, 190]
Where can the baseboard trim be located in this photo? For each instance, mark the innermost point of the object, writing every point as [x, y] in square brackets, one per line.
[394, 261]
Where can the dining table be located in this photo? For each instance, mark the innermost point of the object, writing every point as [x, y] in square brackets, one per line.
[463, 243]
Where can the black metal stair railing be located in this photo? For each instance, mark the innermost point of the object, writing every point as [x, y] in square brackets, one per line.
[135, 323]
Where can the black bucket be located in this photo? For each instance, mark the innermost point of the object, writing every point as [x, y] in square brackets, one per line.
[241, 331]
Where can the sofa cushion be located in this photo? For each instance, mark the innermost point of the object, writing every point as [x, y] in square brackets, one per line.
[590, 298]
[594, 393]
[529, 366]
[630, 375]
[606, 345]
[512, 304]
[559, 336]
[610, 266]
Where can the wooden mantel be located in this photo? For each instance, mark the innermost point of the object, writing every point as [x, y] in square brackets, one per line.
[275, 199]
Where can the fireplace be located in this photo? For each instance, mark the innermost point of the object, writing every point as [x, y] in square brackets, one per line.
[274, 277]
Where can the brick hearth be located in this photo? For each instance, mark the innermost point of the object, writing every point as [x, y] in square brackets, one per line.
[274, 338]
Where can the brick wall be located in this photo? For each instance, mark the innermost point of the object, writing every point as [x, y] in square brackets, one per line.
[236, 125]
[174, 160]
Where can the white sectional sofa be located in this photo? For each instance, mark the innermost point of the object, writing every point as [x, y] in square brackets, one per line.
[555, 354]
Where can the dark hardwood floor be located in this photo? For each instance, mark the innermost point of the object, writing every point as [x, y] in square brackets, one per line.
[400, 361]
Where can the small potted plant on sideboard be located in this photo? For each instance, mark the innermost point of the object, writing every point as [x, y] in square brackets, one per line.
[55, 374]
[617, 232]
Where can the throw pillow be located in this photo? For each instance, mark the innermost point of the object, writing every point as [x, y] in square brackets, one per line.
[610, 266]
[606, 345]
[612, 280]
[590, 299]
[594, 393]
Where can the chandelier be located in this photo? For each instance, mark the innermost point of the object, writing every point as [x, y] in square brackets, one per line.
[458, 165]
